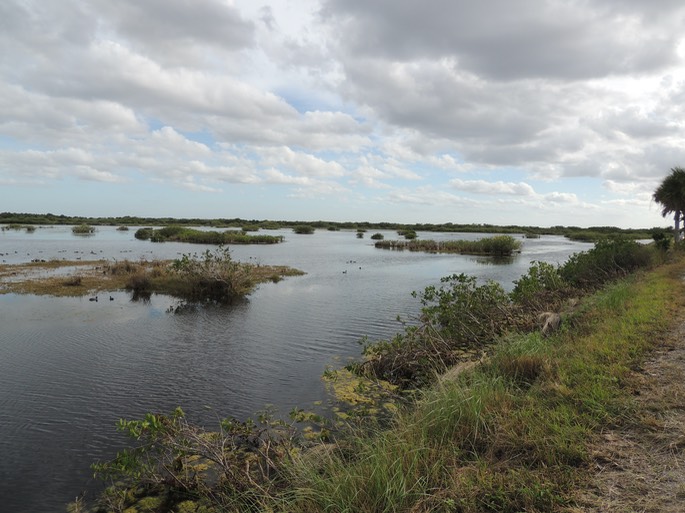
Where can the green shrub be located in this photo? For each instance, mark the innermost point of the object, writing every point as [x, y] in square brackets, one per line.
[83, 229]
[408, 234]
[501, 245]
[303, 229]
[143, 233]
[463, 308]
[536, 285]
[377, 236]
[193, 236]
[609, 259]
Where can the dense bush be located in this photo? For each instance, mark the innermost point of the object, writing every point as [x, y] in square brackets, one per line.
[177, 460]
[408, 234]
[608, 260]
[193, 236]
[143, 233]
[542, 281]
[459, 318]
[83, 229]
[303, 229]
[501, 245]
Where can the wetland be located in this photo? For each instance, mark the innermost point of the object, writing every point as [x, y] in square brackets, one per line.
[70, 368]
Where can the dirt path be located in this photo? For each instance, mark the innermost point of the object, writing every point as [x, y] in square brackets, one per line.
[640, 467]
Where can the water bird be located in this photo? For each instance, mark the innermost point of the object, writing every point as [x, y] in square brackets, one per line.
[93, 298]
[344, 272]
[111, 298]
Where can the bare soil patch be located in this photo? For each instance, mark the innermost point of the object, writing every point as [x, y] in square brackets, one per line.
[640, 466]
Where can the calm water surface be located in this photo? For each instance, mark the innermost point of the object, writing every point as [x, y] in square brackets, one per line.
[70, 368]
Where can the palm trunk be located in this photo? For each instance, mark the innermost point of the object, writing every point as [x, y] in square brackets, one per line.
[676, 235]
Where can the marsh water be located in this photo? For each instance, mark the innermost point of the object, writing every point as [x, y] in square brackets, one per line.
[70, 367]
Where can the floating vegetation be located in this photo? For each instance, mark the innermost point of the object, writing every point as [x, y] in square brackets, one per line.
[501, 245]
[184, 234]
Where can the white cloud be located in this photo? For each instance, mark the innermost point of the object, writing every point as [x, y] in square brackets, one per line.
[412, 103]
[484, 187]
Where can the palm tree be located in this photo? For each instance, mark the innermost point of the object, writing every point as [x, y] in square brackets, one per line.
[671, 195]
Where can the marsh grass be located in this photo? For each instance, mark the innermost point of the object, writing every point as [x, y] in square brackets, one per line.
[501, 245]
[184, 234]
[83, 229]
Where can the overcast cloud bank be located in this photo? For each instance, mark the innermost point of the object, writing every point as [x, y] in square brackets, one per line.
[534, 112]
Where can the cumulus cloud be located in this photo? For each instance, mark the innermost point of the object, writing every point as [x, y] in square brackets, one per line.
[484, 187]
[443, 105]
[494, 40]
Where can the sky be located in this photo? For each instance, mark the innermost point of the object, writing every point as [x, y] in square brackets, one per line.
[534, 112]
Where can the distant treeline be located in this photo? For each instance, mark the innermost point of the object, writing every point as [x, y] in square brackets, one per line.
[573, 232]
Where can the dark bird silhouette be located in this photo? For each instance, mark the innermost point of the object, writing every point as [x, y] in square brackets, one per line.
[111, 298]
[93, 298]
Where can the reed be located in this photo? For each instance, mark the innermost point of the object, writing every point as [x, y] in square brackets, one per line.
[303, 229]
[193, 236]
[501, 245]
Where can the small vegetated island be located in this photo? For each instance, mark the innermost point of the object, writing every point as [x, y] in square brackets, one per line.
[191, 235]
[501, 245]
[212, 276]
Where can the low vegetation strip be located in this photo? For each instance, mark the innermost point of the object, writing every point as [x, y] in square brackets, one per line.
[502, 245]
[191, 235]
[210, 276]
[507, 433]
[597, 231]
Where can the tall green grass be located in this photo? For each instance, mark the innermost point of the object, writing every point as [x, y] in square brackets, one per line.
[501, 245]
[191, 235]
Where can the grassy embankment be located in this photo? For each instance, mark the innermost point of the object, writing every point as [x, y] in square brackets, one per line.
[508, 433]
[501, 245]
[511, 434]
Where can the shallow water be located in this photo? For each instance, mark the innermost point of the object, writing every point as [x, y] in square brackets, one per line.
[70, 368]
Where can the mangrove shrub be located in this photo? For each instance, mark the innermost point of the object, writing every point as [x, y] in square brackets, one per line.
[83, 229]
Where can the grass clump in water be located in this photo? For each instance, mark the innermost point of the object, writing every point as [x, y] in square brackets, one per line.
[191, 235]
[83, 229]
[501, 245]
[303, 229]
